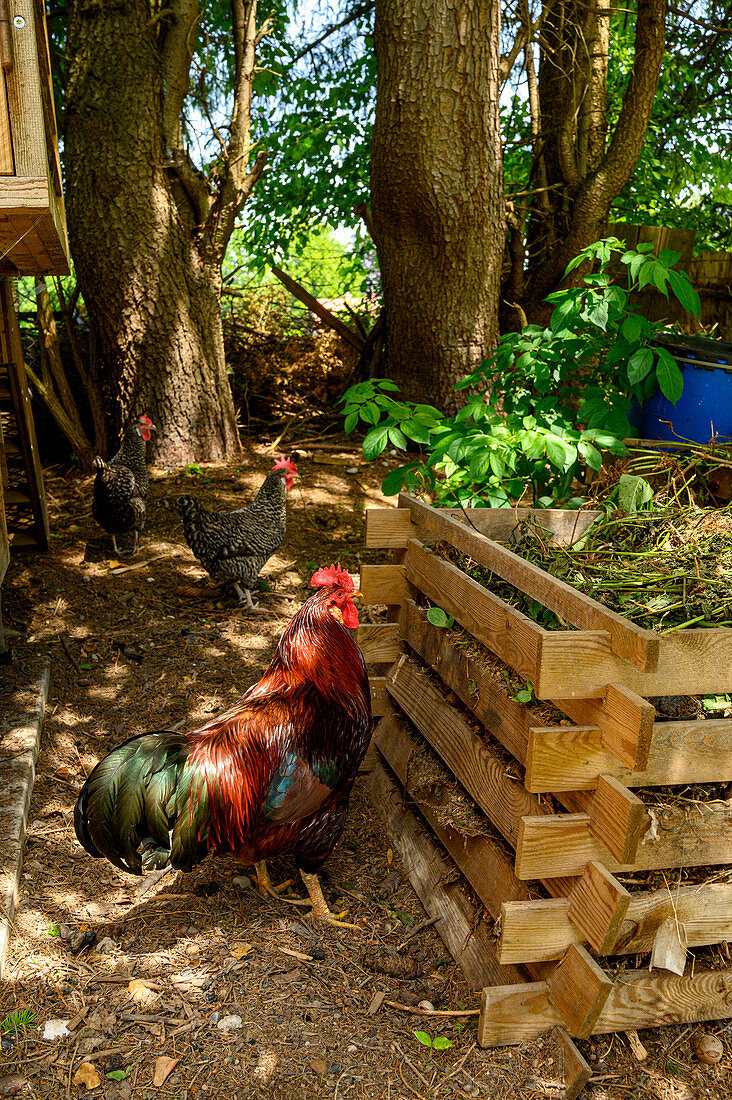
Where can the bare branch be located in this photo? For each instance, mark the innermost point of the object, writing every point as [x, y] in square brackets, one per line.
[356, 14]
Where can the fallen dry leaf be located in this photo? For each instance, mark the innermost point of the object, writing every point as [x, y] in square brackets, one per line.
[239, 950]
[141, 993]
[164, 1066]
[87, 1075]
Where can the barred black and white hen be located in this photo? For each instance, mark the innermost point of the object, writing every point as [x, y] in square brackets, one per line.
[234, 546]
[121, 485]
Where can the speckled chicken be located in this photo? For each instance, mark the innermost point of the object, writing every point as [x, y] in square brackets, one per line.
[234, 546]
[121, 485]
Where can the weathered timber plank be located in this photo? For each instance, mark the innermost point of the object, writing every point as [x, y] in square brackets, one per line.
[580, 664]
[24, 100]
[7, 167]
[379, 695]
[468, 939]
[540, 930]
[578, 989]
[598, 906]
[513, 1014]
[626, 726]
[573, 1069]
[506, 632]
[486, 866]
[563, 844]
[383, 584]
[504, 718]
[572, 758]
[618, 819]
[379, 642]
[632, 643]
[655, 1000]
[559, 526]
[388, 528]
[481, 772]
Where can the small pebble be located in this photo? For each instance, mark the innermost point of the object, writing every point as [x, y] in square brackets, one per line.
[11, 1084]
[83, 681]
[64, 931]
[229, 1023]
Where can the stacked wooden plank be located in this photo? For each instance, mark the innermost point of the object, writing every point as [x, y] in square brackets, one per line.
[564, 824]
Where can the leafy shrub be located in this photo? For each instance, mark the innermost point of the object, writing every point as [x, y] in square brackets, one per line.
[546, 403]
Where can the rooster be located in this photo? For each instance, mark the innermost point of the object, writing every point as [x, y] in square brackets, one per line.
[272, 775]
[121, 485]
[234, 546]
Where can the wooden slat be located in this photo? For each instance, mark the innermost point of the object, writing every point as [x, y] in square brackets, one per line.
[468, 939]
[633, 643]
[388, 528]
[559, 526]
[578, 989]
[506, 632]
[572, 758]
[626, 726]
[383, 584]
[597, 907]
[563, 844]
[485, 864]
[379, 695]
[573, 1069]
[7, 166]
[540, 930]
[641, 1000]
[618, 819]
[514, 1014]
[24, 99]
[481, 772]
[379, 642]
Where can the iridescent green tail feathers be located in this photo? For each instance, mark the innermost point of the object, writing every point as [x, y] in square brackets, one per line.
[144, 807]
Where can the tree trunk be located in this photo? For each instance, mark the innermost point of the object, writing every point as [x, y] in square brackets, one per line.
[437, 189]
[152, 295]
[577, 177]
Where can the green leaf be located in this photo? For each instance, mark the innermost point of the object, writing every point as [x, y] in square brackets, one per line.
[397, 438]
[371, 413]
[590, 454]
[633, 492]
[438, 617]
[416, 430]
[684, 292]
[631, 328]
[53, 929]
[639, 365]
[375, 442]
[119, 1074]
[423, 1038]
[524, 696]
[441, 1042]
[350, 422]
[670, 378]
[385, 384]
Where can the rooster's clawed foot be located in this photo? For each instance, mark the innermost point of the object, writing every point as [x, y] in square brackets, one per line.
[320, 910]
[268, 889]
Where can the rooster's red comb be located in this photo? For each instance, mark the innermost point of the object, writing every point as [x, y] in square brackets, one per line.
[283, 463]
[145, 419]
[333, 574]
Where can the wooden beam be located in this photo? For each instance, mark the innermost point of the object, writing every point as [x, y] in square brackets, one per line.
[379, 642]
[514, 1014]
[383, 584]
[597, 907]
[559, 526]
[379, 696]
[618, 819]
[578, 989]
[573, 757]
[541, 930]
[482, 773]
[388, 528]
[640, 999]
[633, 643]
[312, 303]
[572, 1068]
[563, 844]
[506, 632]
[468, 939]
[485, 863]
[626, 726]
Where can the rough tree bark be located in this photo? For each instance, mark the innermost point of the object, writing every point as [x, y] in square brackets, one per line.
[575, 172]
[437, 189]
[147, 232]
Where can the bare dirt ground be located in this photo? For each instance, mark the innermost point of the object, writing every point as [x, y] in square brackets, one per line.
[236, 996]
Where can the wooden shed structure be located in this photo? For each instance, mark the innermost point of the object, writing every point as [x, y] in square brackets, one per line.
[33, 241]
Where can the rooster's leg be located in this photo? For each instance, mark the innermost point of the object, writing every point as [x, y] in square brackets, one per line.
[245, 596]
[264, 883]
[320, 910]
[114, 545]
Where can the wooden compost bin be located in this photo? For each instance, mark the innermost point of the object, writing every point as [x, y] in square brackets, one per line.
[549, 878]
[33, 236]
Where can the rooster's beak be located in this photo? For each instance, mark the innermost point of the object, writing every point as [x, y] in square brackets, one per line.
[357, 595]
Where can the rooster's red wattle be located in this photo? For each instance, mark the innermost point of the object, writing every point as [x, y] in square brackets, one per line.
[270, 776]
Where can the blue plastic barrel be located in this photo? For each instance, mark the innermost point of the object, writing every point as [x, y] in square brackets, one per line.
[705, 407]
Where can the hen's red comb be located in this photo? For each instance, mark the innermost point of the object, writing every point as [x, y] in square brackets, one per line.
[145, 419]
[333, 574]
[283, 463]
